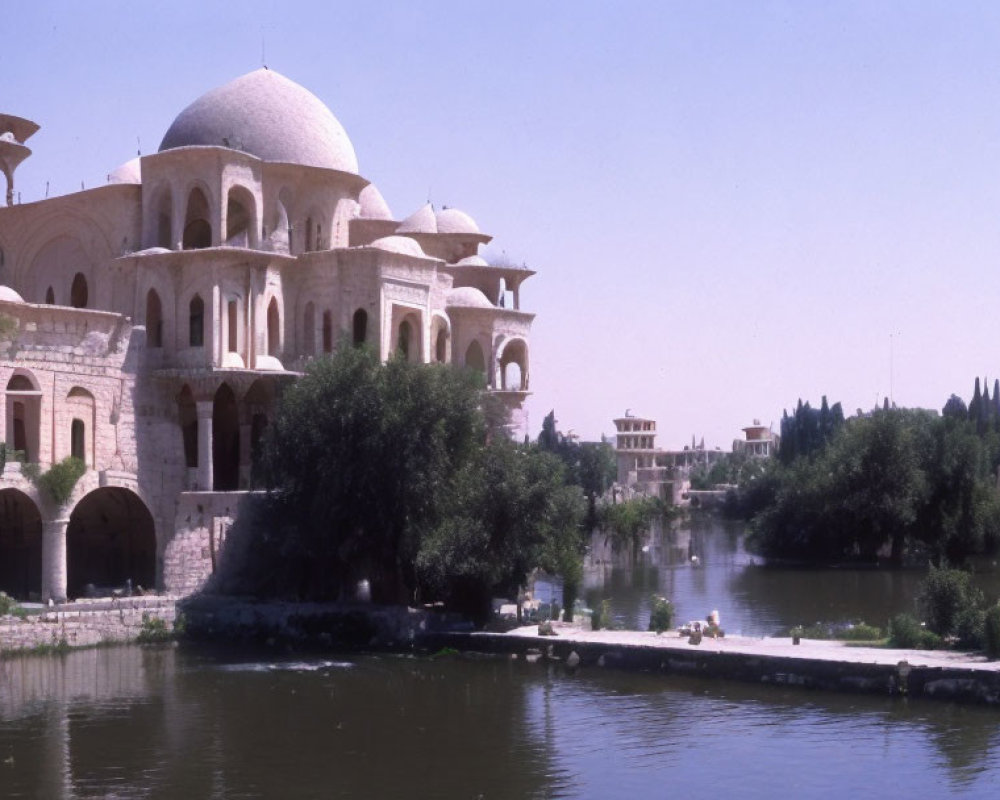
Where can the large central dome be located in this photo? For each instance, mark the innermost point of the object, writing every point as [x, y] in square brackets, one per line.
[265, 114]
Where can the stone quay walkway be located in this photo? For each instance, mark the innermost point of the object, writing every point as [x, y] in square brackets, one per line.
[827, 665]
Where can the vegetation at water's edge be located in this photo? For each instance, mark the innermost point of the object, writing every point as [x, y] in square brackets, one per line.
[403, 476]
[155, 630]
[661, 614]
[10, 607]
[892, 485]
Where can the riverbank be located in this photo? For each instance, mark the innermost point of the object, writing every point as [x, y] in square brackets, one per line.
[825, 665]
[85, 623]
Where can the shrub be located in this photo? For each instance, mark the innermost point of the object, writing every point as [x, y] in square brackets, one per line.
[661, 615]
[991, 631]
[600, 615]
[848, 632]
[153, 631]
[945, 596]
[58, 481]
[8, 605]
[970, 628]
[860, 632]
[61, 478]
[908, 634]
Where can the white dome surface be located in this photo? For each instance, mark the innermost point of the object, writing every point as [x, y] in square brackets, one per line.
[8, 295]
[373, 205]
[403, 245]
[269, 116]
[451, 220]
[129, 172]
[467, 297]
[423, 220]
[473, 261]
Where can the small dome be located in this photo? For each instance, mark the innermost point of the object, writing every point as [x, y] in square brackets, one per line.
[467, 297]
[473, 261]
[451, 220]
[403, 245]
[373, 205]
[8, 295]
[129, 172]
[267, 115]
[423, 220]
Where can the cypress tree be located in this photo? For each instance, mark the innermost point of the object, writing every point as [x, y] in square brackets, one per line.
[975, 403]
[983, 420]
[995, 406]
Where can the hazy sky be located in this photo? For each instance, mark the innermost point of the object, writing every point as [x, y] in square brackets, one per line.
[729, 205]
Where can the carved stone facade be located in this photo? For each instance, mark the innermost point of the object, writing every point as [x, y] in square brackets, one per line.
[148, 325]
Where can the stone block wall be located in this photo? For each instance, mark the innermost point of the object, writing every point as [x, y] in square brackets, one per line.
[88, 624]
[202, 523]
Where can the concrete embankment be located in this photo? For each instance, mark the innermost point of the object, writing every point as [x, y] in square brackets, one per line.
[86, 623]
[833, 666]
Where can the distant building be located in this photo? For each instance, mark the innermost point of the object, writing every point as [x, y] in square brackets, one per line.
[644, 467]
[760, 442]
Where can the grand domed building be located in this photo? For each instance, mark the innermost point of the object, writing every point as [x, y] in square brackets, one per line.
[147, 326]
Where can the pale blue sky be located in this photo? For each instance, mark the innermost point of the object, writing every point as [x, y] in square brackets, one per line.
[729, 205]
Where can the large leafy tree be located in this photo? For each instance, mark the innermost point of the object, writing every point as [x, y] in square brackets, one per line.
[511, 511]
[361, 458]
[897, 478]
[400, 474]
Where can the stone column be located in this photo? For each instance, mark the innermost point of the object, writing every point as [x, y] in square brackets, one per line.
[204, 410]
[54, 560]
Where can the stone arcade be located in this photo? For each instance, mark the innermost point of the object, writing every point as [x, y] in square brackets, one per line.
[146, 327]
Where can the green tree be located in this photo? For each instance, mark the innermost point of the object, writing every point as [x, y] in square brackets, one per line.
[394, 473]
[361, 456]
[510, 511]
[955, 408]
[548, 439]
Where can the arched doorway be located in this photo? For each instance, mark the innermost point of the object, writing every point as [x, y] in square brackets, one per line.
[154, 319]
[196, 322]
[111, 539]
[474, 358]
[225, 441]
[241, 221]
[403, 343]
[258, 408]
[20, 546]
[78, 294]
[197, 228]
[514, 366]
[360, 326]
[273, 328]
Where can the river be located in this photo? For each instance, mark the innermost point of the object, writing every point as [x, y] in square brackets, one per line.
[186, 722]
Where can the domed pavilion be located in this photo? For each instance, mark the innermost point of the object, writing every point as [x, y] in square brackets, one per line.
[149, 323]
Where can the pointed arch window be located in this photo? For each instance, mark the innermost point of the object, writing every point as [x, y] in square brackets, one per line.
[154, 319]
[360, 326]
[78, 293]
[196, 322]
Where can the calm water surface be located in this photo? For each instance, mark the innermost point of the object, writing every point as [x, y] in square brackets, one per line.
[753, 599]
[200, 723]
